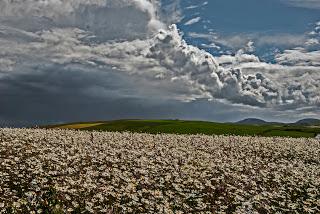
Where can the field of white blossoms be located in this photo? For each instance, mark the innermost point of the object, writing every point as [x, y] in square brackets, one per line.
[64, 171]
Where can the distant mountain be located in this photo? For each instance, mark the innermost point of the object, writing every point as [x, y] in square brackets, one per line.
[308, 122]
[256, 121]
[252, 121]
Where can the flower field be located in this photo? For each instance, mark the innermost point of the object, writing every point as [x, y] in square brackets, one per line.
[64, 171]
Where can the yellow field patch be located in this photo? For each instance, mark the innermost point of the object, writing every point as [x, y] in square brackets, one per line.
[79, 126]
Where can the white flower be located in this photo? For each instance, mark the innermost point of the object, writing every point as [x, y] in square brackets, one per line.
[75, 204]
[140, 172]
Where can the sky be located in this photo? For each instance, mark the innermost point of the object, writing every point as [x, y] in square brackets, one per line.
[217, 60]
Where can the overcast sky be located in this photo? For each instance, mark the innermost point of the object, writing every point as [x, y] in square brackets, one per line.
[218, 60]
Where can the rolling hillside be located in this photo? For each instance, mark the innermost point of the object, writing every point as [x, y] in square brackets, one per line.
[195, 127]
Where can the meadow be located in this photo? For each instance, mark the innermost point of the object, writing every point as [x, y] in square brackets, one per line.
[70, 171]
[196, 127]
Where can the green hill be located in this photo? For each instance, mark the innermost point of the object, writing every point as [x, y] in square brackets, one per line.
[195, 127]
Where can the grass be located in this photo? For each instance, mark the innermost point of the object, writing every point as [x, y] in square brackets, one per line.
[194, 127]
[79, 125]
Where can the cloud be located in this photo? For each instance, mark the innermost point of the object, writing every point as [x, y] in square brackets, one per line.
[312, 42]
[311, 4]
[308, 54]
[299, 57]
[119, 50]
[6, 64]
[197, 6]
[109, 19]
[281, 39]
[171, 12]
[53, 9]
[242, 78]
[167, 59]
[296, 86]
[211, 45]
[295, 74]
[193, 21]
[238, 41]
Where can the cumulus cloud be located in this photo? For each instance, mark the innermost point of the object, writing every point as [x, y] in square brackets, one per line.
[296, 86]
[292, 81]
[307, 54]
[242, 78]
[167, 57]
[299, 57]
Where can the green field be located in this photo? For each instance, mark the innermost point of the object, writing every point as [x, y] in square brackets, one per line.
[194, 127]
